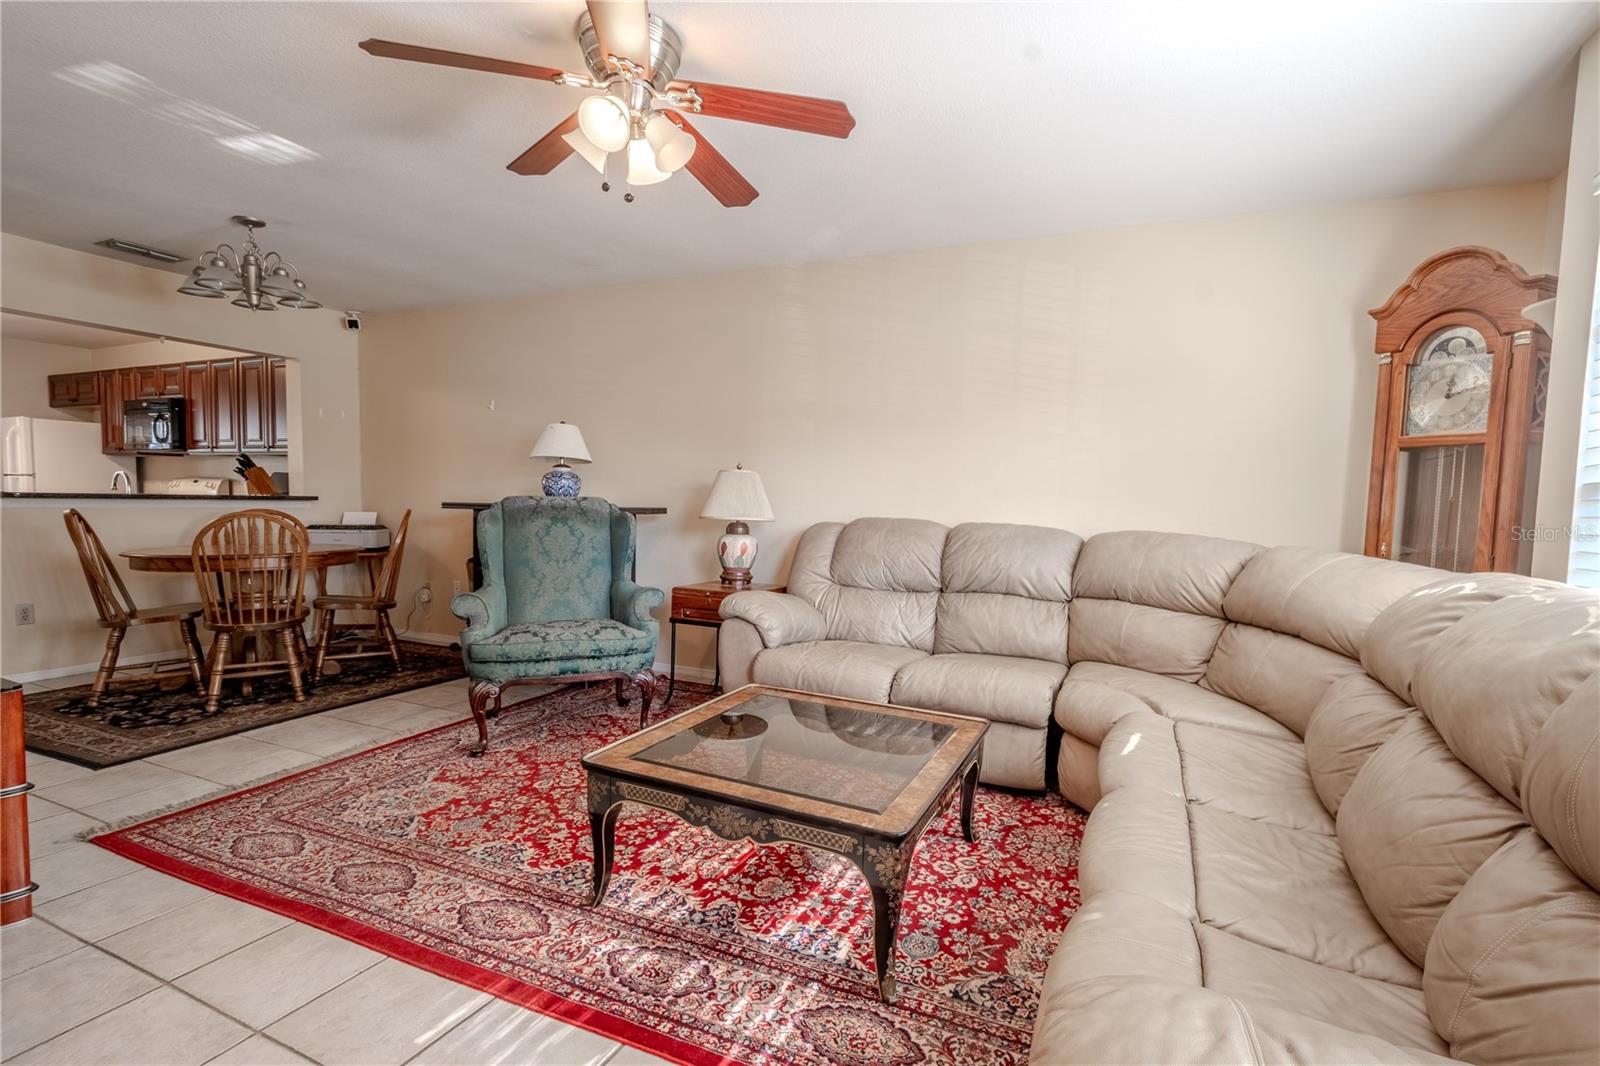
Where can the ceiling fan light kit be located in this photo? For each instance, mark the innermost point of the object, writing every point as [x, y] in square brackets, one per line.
[638, 108]
[265, 281]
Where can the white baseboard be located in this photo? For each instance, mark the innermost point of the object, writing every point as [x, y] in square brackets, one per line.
[89, 668]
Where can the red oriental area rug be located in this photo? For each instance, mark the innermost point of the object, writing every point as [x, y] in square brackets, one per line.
[703, 952]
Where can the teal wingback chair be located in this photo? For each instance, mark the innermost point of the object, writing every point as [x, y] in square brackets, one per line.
[557, 603]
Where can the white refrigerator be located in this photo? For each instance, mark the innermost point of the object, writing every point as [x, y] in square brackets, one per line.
[55, 455]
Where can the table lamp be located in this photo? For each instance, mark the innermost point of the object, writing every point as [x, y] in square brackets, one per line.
[737, 497]
[561, 442]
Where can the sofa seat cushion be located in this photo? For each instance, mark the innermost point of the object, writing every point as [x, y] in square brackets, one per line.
[835, 667]
[585, 638]
[1001, 688]
[1088, 715]
[1257, 777]
[1289, 890]
[1257, 975]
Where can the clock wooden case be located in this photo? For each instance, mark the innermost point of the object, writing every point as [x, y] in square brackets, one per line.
[1460, 414]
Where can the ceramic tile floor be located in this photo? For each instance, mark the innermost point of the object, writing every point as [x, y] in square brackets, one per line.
[121, 964]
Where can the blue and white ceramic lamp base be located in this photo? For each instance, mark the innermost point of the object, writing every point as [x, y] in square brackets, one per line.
[562, 480]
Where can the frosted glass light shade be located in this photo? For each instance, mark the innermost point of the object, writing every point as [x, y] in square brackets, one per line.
[605, 121]
[562, 441]
[642, 169]
[586, 150]
[737, 495]
[671, 145]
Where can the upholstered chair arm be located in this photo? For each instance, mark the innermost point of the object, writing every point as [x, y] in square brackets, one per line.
[483, 611]
[780, 617]
[631, 603]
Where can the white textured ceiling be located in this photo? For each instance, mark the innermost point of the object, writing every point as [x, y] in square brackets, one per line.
[975, 122]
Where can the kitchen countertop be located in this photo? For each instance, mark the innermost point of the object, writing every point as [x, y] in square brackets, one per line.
[145, 496]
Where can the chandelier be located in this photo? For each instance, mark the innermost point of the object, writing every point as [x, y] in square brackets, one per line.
[265, 281]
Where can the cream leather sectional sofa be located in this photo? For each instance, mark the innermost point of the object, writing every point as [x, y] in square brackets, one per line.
[1342, 810]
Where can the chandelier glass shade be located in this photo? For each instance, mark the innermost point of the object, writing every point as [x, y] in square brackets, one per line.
[264, 281]
[654, 146]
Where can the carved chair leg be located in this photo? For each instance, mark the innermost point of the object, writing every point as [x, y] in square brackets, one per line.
[219, 661]
[482, 695]
[390, 637]
[108, 664]
[192, 653]
[324, 635]
[291, 658]
[646, 680]
[622, 693]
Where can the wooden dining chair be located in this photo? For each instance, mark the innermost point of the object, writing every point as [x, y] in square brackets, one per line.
[379, 602]
[118, 612]
[251, 569]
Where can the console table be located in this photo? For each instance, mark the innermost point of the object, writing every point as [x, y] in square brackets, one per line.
[475, 574]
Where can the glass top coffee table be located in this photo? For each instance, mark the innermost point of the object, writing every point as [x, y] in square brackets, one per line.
[779, 766]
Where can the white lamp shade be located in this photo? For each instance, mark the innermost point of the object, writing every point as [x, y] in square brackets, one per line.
[738, 496]
[605, 121]
[671, 145]
[561, 440]
[586, 150]
[642, 169]
[1544, 314]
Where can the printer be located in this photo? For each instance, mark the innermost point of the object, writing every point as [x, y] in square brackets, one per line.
[357, 529]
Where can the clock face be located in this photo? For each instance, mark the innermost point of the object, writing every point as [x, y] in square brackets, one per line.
[1447, 389]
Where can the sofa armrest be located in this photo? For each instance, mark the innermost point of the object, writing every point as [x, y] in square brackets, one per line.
[780, 617]
[483, 611]
[631, 603]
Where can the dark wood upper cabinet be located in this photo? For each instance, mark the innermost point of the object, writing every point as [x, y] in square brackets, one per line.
[278, 409]
[199, 406]
[110, 410]
[255, 403]
[225, 396]
[75, 390]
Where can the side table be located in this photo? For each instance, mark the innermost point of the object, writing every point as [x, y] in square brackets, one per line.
[698, 605]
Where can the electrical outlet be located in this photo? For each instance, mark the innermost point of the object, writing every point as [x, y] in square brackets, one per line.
[455, 587]
[25, 614]
[425, 595]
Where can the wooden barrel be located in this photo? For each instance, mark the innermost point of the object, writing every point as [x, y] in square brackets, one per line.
[16, 888]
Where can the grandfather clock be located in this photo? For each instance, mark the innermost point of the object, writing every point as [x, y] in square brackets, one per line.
[1460, 415]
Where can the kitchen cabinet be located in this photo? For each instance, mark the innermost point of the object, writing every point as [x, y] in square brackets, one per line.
[255, 404]
[75, 390]
[157, 381]
[278, 406]
[110, 410]
[211, 405]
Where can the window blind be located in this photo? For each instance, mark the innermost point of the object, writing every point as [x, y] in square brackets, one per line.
[1583, 564]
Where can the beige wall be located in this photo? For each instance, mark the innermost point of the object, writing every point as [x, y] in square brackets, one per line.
[1569, 349]
[1213, 376]
[25, 367]
[36, 560]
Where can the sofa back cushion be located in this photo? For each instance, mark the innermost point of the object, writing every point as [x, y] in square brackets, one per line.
[1006, 590]
[1297, 620]
[1351, 721]
[874, 580]
[552, 553]
[1152, 601]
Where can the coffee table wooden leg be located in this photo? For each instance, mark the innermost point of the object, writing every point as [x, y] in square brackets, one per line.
[885, 866]
[603, 836]
[969, 791]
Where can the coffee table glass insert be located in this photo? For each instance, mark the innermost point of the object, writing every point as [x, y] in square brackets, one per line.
[780, 766]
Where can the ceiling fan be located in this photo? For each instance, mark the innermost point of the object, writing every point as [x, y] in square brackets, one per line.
[639, 111]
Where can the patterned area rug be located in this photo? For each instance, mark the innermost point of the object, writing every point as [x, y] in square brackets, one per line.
[147, 716]
[703, 952]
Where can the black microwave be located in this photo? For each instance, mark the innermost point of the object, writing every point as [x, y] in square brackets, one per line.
[153, 425]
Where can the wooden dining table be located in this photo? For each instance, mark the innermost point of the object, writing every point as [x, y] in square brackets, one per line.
[179, 559]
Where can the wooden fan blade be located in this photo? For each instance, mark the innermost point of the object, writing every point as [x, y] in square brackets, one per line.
[418, 54]
[808, 114]
[711, 169]
[547, 152]
[622, 28]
